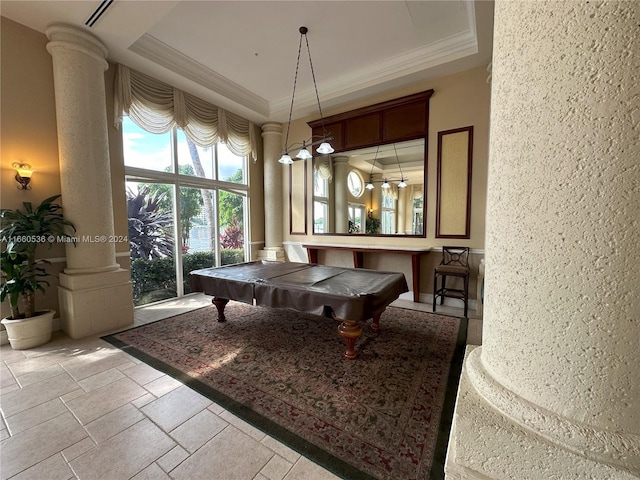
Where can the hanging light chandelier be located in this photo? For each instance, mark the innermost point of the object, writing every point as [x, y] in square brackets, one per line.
[402, 183]
[369, 185]
[385, 183]
[324, 147]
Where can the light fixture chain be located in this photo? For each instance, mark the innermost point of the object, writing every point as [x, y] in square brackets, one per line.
[315, 86]
[293, 96]
[374, 161]
[398, 160]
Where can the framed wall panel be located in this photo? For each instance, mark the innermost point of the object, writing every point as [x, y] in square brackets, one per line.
[453, 199]
[298, 198]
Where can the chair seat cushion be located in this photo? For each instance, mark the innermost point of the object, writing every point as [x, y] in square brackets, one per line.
[452, 270]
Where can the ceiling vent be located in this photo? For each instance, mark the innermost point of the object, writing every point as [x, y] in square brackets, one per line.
[97, 13]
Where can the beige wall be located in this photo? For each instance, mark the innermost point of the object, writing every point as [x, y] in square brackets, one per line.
[28, 132]
[118, 188]
[458, 101]
[256, 201]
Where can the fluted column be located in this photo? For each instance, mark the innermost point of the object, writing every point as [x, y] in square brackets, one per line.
[95, 293]
[273, 205]
[554, 392]
[340, 190]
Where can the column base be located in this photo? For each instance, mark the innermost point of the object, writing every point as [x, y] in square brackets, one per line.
[273, 254]
[485, 444]
[95, 303]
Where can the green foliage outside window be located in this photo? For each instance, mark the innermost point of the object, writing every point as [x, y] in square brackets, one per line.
[154, 279]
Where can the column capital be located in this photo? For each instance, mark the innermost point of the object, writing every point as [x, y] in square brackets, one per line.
[67, 37]
[340, 160]
[271, 128]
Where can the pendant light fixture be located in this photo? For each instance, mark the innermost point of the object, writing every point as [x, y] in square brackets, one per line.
[324, 147]
[402, 183]
[369, 185]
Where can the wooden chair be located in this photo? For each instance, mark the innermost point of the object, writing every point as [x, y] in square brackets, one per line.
[455, 263]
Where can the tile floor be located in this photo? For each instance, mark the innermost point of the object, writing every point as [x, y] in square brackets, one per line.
[84, 409]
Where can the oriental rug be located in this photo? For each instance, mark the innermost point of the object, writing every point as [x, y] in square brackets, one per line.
[385, 415]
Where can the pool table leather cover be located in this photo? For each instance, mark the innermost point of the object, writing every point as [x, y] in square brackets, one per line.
[350, 293]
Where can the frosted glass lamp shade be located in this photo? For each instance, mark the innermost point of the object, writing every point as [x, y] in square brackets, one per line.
[325, 148]
[303, 154]
[285, 159]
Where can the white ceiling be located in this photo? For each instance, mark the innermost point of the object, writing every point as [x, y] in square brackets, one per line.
[241, 55]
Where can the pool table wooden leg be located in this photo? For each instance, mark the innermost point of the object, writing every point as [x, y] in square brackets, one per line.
[349, 330]
[375, 323]
[220, 303]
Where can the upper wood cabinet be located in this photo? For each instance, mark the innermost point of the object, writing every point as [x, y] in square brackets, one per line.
[397, 120]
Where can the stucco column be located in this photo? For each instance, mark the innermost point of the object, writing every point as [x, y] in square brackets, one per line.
[95, 293]
[554, 392]
[340, 189]
[273, 205]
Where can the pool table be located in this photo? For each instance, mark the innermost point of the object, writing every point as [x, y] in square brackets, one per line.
[349, 295]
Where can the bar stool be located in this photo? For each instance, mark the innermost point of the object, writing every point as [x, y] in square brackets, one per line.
[455, 263]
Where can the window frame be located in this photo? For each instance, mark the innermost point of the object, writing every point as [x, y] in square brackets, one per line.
[178, 180]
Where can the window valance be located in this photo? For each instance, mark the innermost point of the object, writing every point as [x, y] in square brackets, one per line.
[391, 192]
[158, 107]
[324, 167]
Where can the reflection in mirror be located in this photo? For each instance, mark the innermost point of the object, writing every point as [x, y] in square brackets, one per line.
[377, 190]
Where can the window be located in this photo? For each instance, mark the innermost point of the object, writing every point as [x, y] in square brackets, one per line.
[320, 203]
[355, 183]
[418, 209]
[187, 209]
[356, 218]
[388, 214]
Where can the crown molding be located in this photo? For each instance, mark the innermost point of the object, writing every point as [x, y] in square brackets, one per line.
[420, 59]
[152, 49]
[452, 48]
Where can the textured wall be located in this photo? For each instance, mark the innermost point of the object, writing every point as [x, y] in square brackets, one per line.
[563, 213]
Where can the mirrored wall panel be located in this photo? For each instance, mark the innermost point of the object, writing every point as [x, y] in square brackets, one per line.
[376, 190]
[374, 182]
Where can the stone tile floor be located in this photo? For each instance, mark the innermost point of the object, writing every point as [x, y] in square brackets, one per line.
[84, 409]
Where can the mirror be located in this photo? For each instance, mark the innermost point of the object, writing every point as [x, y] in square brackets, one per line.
[345, 204]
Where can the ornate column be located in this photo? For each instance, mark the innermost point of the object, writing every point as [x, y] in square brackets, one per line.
[95, 293]
[554, 392]
[340, 172]
[273, 206]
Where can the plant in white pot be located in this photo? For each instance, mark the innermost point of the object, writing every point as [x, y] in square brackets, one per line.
[21, 233]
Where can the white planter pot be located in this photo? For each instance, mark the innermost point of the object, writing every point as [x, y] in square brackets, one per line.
[29, 332]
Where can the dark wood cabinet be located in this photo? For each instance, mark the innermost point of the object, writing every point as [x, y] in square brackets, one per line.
[397, 120]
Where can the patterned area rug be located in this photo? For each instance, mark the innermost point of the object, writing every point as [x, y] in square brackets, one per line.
[384, 415]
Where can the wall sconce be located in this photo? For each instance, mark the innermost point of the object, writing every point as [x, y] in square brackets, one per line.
[23, 175]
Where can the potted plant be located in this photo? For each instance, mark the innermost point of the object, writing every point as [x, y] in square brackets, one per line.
[21, 232]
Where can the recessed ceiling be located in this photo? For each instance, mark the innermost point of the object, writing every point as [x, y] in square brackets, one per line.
[241, 55]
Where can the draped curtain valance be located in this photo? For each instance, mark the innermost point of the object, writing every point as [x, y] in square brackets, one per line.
[391, 192]
[324, 167]
[158, 107]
